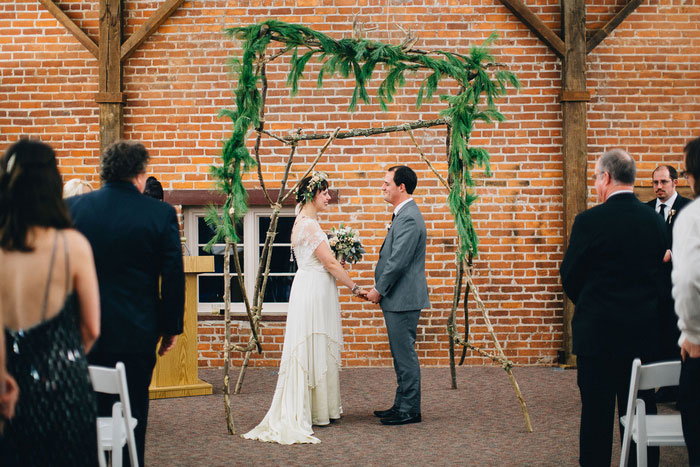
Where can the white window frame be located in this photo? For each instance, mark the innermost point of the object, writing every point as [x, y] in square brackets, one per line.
[251, 221]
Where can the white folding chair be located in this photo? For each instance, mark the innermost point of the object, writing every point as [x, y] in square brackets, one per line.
[650, 430]
[115, 431]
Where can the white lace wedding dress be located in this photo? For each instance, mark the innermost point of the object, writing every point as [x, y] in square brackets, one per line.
[308, 390]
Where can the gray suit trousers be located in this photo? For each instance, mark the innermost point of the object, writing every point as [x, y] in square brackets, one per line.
[401, 328]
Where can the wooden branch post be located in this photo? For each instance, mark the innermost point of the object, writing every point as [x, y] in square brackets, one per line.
[110, 97]
[574, 98]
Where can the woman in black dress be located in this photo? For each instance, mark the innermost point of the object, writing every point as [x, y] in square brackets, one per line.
[49, 302]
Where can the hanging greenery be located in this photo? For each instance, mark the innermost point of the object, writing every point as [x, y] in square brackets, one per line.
[480, 86]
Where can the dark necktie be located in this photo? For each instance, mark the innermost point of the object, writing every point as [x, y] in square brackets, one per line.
[662, 208]
[392, 216]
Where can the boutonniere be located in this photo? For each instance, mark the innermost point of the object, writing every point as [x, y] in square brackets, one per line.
[388, 225]
[670, 216]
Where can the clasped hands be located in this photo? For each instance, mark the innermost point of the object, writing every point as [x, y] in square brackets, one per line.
[369, 295]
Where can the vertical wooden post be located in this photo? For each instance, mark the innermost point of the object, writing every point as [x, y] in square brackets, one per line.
[574, 99]
[110, 96]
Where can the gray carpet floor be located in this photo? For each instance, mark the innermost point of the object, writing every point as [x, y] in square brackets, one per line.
[478, 424]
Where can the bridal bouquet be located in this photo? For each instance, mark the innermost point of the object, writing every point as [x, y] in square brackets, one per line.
[346, 244]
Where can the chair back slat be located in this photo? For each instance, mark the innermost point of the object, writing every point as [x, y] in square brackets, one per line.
[105, 380]
[659, 374]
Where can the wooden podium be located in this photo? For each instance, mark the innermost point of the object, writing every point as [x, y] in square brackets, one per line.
[175, 374]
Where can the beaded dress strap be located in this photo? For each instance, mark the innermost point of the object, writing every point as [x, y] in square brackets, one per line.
[65, 255]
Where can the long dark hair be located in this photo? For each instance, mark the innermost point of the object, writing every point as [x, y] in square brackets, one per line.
[692, 163]
[30, 193]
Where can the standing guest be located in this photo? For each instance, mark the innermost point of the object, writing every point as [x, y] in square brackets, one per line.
[75, 187]
[668, 204]
[401, 290]
[136, 241]
[686, 293]
[610, 271]
[153, 188]
[50, 308]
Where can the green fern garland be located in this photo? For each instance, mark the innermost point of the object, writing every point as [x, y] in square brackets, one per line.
[359, 58]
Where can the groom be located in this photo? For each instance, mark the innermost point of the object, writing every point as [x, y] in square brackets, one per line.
[402, 291]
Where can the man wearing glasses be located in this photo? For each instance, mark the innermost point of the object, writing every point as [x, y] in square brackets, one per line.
[667, 204]
[668, 201]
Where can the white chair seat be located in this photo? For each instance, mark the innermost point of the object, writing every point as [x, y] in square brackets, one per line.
[662, 430]
[105, 432]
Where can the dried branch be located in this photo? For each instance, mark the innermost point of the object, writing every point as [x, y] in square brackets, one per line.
[437, 174]
[331, 138]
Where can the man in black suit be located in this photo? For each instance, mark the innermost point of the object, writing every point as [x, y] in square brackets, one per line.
[611, 272]
[668, 204]
[136, 243]
[668, 201]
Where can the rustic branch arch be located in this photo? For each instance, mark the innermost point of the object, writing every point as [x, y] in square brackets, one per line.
[480, 82]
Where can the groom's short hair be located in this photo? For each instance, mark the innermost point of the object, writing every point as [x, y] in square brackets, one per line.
[404, 174]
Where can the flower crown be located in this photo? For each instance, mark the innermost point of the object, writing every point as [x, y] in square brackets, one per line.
[316, 182]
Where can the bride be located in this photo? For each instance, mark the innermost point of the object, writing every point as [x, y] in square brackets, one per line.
[307, 391]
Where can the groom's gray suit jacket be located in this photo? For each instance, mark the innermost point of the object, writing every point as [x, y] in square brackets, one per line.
[400, 273]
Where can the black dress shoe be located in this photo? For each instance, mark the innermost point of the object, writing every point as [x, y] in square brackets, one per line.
[386, 413]
[401, 418]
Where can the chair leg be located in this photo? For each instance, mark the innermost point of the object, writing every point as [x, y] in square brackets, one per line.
[117, 434]
[627, 435]
[100, 449]
[641, 424]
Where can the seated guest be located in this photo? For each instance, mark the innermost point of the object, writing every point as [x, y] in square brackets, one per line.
[136, 241]
[686, 293]
[75, 187]
[50, 308]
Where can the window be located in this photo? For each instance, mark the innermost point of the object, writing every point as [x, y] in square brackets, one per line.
[252, 233]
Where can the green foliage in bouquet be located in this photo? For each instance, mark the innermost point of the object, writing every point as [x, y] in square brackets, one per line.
[478, 84]
[346, 244]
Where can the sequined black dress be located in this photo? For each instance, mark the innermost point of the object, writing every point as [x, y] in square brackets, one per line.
[54, 423]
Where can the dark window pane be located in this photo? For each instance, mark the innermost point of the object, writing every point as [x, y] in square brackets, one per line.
[218, 250]
[278, 288]
[281, 261]
[211, 290]
[284, 229]
[205, 233]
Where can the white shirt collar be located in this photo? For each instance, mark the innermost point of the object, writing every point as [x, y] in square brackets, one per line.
[669, 202]
[398, 208]
[619, 192]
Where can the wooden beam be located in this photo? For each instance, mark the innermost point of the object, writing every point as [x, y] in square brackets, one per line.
[110, 73]
[575, 96]
[205, 197]
[575, 152]
[536, 25]
[149, 27]
[610, 26]
[73, 28]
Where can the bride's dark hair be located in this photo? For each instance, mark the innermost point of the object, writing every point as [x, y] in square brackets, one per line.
[305, 192]
[31, 193]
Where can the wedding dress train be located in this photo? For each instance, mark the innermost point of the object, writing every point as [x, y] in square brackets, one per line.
[307, 391]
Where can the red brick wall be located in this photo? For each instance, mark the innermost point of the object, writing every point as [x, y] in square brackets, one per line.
[644, 80]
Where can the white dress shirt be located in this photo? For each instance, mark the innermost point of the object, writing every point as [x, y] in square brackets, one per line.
[686, 273]
[669, 202]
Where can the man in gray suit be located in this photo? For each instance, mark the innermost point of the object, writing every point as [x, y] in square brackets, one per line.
[402, 291]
